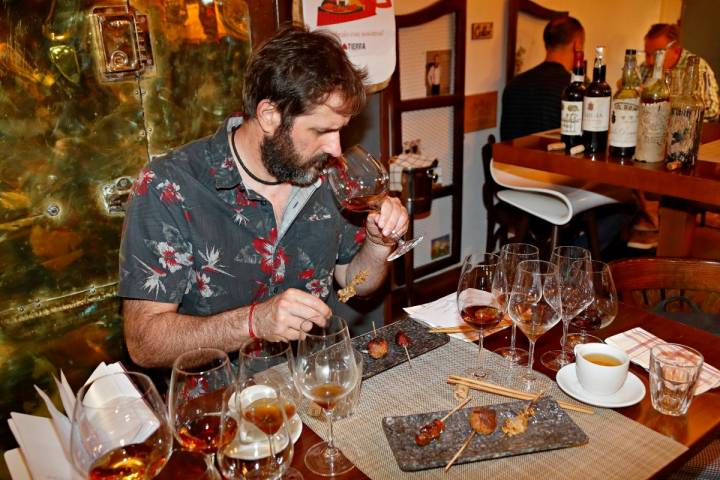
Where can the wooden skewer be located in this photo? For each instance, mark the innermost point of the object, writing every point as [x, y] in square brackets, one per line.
[374, 331]
[459, 452]
[509, 392]
[457, 329]
[458, 407]
[408, 355]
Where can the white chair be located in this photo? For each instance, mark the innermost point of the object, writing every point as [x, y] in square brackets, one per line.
[554, 198]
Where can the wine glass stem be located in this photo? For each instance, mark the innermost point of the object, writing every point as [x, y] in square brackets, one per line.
[331, 438]
[531, 353]
[481, 369]
[563, 340]
[512, 337]
[271, 464]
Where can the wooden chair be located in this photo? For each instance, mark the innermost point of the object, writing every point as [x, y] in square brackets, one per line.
[646, 281]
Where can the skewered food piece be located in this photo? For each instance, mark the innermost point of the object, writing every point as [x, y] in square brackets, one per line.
[402, 339]
[377, 347]
[519, 423]
[430, 432]
[345, 294]
[482, 420]
[461, 392]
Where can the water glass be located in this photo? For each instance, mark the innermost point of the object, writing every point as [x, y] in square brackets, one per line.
[674, 371]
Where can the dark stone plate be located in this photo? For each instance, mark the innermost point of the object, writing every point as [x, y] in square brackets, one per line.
[549, 429]
[422, 342]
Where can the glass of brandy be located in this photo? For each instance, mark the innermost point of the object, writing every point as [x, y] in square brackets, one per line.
[511, 254]
[535, 304]
[360, 183]
[119, 428]
[574, 273]
[602, 310]
[326, 372]
[198, 383]
[477, 303]
[262, 447]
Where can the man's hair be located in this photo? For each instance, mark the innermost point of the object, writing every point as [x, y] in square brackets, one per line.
[669, 30]
[561, 31]
[298, 70]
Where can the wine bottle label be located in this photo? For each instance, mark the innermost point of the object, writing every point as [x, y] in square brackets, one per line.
[571, 118]
[577, 78]
[652, 125]
[596, 114]
[683, 137]
[624, 122]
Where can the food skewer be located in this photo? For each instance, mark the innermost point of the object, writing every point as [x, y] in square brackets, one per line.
[377, 347]
[460, 451]
[434, 429]
[403, 340]
[482, 421]
[509, 392]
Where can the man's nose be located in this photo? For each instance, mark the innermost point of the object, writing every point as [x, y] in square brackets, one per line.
[332, 144]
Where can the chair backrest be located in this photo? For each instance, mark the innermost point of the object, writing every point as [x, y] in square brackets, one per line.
[647, 281]
[489, 187]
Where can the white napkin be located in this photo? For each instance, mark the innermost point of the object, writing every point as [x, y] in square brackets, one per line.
[16, 465]
[637, 343]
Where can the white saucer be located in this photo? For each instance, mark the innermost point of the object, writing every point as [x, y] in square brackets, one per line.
[630, 393]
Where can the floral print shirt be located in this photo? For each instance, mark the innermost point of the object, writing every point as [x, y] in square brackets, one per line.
[196, 237]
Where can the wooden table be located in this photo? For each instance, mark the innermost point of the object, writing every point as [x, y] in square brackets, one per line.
[684, 192]
[697, 428]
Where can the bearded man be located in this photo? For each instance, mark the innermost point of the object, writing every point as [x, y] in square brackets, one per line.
[236, 235]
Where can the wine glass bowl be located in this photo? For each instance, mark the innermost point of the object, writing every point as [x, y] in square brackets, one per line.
[477, 303]
[325, 372]
[534, 304]
[360, 183]
[603, 307]
[199, 380]
[119, 428]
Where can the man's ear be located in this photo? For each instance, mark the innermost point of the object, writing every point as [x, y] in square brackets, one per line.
[268, 116]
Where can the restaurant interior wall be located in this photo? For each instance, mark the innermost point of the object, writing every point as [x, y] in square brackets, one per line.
[619, 24]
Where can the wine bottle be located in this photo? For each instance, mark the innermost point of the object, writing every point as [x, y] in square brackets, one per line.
[653, 115]
[596, 107]
[686, 116]
[572, 104]
[624, 113]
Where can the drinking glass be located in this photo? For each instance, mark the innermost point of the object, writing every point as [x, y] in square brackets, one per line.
[263, 363]
[262, 447]
[674, 371]
[535, 304]
[361, 183]
[574, 273]
[119, 428]
[477, 303]
[326, 372]
[195, 401]
[603, 309]
[511, 255]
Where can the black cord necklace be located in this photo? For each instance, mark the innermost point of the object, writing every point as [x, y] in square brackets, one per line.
[240, 162]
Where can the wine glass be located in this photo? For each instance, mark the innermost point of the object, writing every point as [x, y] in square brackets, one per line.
[535, 304]
[477, 304]
[511, 255]
[119, 428]
[262, 447]
[360, 183]
[576, 294]
[603, 309]
[195, 401]
[325, 372]
[262, 364]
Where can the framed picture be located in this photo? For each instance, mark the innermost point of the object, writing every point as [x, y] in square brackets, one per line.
[481, 30]
[437, 72]
[440, 247]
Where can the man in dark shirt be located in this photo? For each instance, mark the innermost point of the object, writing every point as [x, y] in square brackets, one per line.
[531, 100]
[236, 235]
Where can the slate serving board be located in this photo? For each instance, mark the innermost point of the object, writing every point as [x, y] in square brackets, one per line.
[422, 342]
[551, 428]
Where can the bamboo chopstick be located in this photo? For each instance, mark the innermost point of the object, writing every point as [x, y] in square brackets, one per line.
[509, 392]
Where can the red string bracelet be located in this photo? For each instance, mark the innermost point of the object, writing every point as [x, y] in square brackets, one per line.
[250, 321]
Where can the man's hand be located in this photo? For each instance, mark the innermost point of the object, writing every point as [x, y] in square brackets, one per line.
[289, 315]
[388, 225]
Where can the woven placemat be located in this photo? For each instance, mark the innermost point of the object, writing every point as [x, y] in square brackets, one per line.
[619, 447]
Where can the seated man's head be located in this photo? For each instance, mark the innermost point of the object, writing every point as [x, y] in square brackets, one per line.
[562, 37]
[663, 35]
[301, 89]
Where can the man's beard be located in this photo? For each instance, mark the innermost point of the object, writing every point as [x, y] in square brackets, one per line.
[283, 162]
